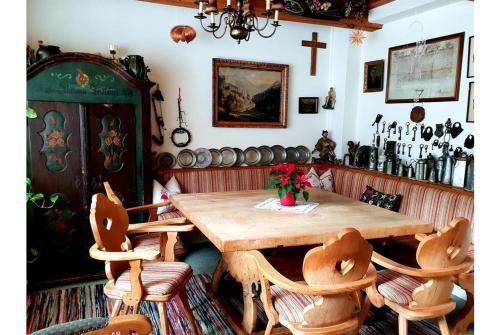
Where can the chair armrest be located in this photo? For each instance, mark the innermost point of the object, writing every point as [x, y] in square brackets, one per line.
[271, 274]
[148, 255]
[173, 221]
[149, 206]
[420, 236]
[422, 273]
[160, 229]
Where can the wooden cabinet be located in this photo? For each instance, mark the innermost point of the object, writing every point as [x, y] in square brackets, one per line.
[92, 125]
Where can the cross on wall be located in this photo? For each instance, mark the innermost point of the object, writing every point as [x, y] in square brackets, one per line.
[314, 45]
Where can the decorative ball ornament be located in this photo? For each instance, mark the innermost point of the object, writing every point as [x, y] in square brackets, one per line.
[357, 37]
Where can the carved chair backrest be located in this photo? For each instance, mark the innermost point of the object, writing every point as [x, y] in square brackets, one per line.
[448, 247]
[111, 194]
[341, 260]
[109, 223]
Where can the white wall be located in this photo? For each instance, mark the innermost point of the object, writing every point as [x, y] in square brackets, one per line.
[449, 19]
[144, 28]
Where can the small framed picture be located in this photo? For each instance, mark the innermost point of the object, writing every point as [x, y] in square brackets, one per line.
[374, 76]
[470, 59]
[470, 103]
[308, 105]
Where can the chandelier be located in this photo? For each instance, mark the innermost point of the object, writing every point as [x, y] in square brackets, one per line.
[241, 21]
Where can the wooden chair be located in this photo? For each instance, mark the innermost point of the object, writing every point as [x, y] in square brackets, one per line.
[132, 278]
[149, 238]
[329, 302]
[417, 294]
[101, 326]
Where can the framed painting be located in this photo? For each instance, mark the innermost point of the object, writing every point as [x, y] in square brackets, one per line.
[249, 94]
[374, 76]
[470, 103]
[308, 105]
[470, 58]
[430, 71]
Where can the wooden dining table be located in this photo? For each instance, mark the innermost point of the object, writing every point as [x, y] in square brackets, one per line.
[233, 224]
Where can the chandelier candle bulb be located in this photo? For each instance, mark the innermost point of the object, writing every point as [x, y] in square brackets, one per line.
[268, 5]
[228, 3]
[276, 13]
[212, 18]
[200, 7]
[112, 48]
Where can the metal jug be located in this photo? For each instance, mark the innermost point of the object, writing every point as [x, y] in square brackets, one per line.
[389, 166]
[410, 171]
[401, 168]
[372, 165]
[447, 170]
[421, 169]
[439, 168]
[381, 163]
[459, 170]
[469, 175]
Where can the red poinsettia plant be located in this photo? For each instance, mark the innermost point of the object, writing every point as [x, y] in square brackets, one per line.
[287, 179]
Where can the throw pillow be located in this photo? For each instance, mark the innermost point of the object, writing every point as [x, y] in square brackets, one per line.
[388, 201]
[162, 193]
[325, 181]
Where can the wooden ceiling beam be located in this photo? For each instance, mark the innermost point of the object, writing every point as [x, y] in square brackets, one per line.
[259, 8]
[377, 3]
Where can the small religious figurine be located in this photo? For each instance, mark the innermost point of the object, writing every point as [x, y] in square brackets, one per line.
[330, 99]
[326, 149]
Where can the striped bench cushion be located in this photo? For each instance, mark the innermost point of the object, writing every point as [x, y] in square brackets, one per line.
[397, 287]
[144, 242]
[289, 305]
[158, 278]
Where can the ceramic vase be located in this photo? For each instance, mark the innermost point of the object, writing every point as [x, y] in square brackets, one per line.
[288, 199]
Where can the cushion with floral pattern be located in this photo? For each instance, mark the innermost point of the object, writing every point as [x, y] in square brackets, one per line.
[388, 201]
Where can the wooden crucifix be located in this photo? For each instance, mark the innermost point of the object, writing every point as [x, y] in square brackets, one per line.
[314, 45]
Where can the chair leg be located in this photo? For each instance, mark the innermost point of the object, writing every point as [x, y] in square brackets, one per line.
[269, 328]
[189, 311]
[403, 325]
[443, 326]
[162, 310]
[116, 308]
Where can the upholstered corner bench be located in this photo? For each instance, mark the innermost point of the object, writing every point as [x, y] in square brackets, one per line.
[431, 202]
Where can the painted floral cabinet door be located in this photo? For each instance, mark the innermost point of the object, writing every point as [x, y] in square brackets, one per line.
[111, 138]
[55, 166]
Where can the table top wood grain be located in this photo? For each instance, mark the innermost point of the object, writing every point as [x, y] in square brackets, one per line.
[230, 221]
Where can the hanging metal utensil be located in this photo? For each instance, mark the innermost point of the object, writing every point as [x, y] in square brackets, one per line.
[180, 131]
[417, 113]
[157, 97]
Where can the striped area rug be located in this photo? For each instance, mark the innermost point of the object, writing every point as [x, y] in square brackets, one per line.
[46, 308]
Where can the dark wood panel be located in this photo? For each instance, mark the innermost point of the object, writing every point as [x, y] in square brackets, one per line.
[111, 149]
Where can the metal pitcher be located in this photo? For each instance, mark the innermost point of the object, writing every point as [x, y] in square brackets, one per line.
[410, 171]
[447, 170]
[421, 169]
[459, 169]
[372, 165]
[389, 166]
[135, 66]
[439, 168]
[469, 175]
[381, 163]
[400, 168]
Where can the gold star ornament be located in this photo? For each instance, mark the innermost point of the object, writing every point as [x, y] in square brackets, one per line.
[357, 37]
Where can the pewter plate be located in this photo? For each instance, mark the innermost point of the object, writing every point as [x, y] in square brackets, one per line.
[292, 155]
[304, 154]
[203, 157]
[252, 156]
[186, 158]
[279, 154]
[266, 155]
[228, 156]
[216, 157]
[166, 160]
[240, 157]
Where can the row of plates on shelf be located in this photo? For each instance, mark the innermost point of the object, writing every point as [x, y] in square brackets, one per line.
[227, 156]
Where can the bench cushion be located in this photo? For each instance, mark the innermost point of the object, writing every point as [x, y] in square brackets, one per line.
[397, 287]
[289, 305]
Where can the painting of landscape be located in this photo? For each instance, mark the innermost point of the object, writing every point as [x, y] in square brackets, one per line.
[249, 97]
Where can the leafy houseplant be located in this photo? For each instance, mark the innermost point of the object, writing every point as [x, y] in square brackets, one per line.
[289, 183]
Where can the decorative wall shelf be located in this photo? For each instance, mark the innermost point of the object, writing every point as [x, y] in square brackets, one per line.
[258, 5]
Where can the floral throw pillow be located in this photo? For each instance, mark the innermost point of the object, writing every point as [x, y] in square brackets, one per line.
[388, 201]
[161, 193]
[325, 181]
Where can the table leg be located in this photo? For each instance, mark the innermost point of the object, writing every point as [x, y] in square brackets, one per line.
[244, 271]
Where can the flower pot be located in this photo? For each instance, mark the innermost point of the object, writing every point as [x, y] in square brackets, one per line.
[288, 199]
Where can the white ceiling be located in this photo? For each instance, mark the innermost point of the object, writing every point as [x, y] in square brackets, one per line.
[400, 9]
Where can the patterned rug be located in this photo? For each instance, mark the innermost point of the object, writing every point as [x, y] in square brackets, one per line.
[46, 308]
